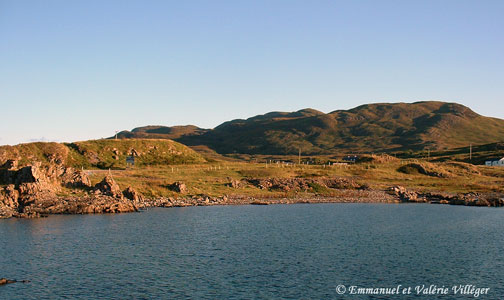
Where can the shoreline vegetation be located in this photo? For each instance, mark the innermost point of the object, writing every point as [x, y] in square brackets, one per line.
[39, 179]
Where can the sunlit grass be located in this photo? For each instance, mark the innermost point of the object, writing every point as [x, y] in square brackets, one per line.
[214, 179]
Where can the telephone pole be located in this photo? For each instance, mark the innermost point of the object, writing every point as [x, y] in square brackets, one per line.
[116, 134]
[299, 156]
[470, 152]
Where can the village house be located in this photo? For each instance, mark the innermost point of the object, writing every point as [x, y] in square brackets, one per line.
[496, 162]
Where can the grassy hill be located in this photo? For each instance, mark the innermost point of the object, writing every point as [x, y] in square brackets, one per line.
[368, 128]
[162, 132]
[102, 154]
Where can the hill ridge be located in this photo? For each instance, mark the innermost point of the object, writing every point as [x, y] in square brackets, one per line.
[374, 127]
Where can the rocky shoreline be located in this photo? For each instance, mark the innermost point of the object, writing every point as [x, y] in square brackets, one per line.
[32, 191]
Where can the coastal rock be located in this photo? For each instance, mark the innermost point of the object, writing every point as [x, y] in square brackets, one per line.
[7, 176]
[6, 281]
[442, 198]
[29, 174]
[75, 179]
[9, 197]
[25, 187]
[6, 212]
[405, 195]
[54, 172]
[33, 185]
[108, 187]
[82, 205]
[255, 202]
[131, 194]
[477, 199]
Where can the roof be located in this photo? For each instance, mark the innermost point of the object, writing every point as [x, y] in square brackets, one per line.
[495, 159]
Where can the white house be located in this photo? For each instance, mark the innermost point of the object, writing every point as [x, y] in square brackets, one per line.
[498, 163]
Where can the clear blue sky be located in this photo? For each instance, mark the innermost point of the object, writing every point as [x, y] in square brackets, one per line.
[76, 70]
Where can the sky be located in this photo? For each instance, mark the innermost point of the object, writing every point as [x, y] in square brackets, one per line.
[78, 70]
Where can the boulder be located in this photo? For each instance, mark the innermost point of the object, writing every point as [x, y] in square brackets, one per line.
[25, 187]
[33, 175]
[404, 194]
[108, 187]
[75, 179]
[133, 152]
[6, 281]
[235, 183]
[131, 194]
[9, 197]
[6, 212]
[179, 187]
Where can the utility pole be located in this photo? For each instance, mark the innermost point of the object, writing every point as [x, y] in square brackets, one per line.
[116, 134]
[299, 157]
[470, 152]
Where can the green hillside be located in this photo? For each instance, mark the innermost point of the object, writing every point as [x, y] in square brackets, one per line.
[102, 153]
[368, 128]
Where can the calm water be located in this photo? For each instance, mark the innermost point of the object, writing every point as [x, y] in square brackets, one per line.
[254, 252]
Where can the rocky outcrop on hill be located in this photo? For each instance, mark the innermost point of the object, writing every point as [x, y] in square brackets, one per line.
[178, 187]
[10, 164]
[75, 179]
[235, 183]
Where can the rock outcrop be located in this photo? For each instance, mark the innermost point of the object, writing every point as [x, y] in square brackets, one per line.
[24, 187]
[29, 192]
[131, 194]
[108, 187]
[82, 205]
[75, 179]
[235, 183]
[468, 199]
[10, 164]
[178, 187]
[404, 195]
[7, 281]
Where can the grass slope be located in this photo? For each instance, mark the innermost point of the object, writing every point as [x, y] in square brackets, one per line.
[102, 154]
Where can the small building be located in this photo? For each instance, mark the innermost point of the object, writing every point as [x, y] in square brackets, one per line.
[351, 158]
[495, 163]
[130, 160]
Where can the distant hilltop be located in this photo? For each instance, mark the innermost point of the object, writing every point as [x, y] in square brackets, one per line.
[368, 128]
